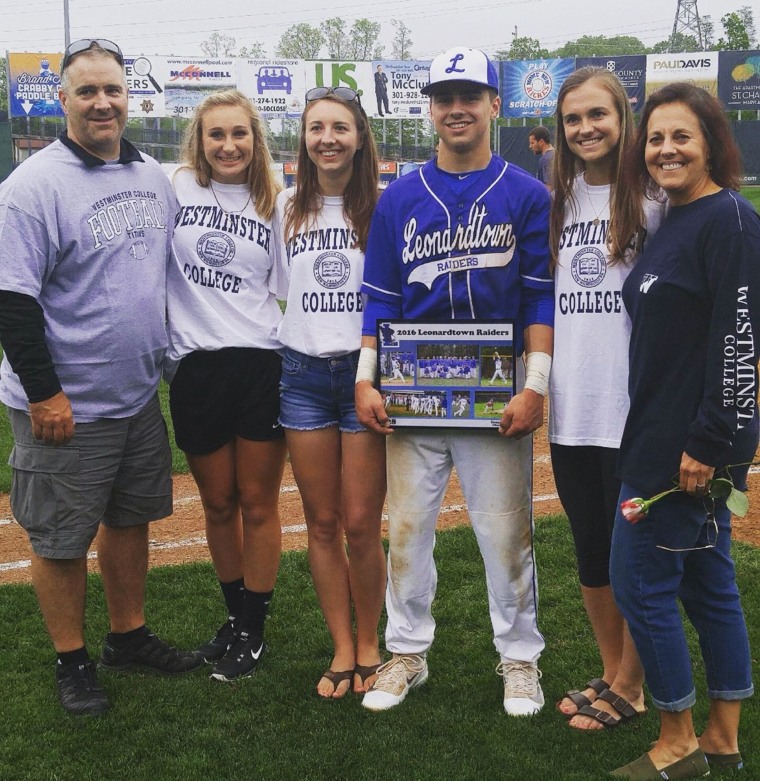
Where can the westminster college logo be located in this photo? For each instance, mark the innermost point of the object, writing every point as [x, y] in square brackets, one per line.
[588, 267]
[331, 269]
[215, 249]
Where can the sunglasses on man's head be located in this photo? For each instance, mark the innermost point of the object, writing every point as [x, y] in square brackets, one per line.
[344, 93]
[77, 47]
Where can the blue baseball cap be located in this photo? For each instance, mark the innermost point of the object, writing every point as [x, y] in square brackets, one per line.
[462, 64]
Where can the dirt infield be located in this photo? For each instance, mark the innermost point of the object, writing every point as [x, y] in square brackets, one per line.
[181, 538]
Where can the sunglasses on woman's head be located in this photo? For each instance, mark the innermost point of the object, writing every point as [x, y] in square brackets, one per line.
[344, 93]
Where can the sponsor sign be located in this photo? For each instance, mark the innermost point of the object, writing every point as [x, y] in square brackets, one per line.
[739, 79]
[698, 68]
[630, 70]
[276, 87]
[188, 81]
[356, 75]
[145, 77]
[530, 87]
[396, 91]
[33, 85]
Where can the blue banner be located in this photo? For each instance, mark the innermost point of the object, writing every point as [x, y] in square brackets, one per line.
[529, 88]
[739, 79]
[631, 70]
[33, 86]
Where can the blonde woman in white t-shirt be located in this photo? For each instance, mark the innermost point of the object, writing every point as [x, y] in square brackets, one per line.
[224, 395]
[596, 233]
[321, 229]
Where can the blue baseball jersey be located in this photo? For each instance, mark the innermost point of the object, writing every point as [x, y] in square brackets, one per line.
[474, 246]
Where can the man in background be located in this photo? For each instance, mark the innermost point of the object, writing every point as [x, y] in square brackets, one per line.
[540, 144]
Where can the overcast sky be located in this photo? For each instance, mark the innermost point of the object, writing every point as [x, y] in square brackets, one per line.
[179, 26]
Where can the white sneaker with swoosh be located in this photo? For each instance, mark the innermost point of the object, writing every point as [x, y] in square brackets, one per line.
[394, 681]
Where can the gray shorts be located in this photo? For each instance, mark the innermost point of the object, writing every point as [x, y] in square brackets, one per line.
[115, 471]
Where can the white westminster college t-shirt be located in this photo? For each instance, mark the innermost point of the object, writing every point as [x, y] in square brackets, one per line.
[321, 272]
[221, 290]
[588, 387]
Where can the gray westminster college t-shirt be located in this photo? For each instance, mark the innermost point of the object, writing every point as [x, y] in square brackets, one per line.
[91, 244]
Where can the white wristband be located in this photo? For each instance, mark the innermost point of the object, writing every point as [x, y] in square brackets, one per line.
[537, 369]
[367, 366]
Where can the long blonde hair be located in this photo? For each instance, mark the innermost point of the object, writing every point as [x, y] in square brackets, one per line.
[360, 197]
[261, 181]
[626, 212]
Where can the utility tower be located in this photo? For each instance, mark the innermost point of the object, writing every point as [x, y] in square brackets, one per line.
[687, 23]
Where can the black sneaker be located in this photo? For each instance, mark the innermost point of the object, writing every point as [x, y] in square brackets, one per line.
[241, 660]
[217, 646]
[149, 652]
[79, 690]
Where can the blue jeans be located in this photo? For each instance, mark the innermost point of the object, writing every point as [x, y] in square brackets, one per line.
[318, 392]
[647, 581]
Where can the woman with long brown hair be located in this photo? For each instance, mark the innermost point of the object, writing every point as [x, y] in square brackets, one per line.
[321, 229]
[597, 230]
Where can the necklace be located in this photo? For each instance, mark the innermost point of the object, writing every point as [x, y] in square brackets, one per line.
[228, 211]
[596, 219]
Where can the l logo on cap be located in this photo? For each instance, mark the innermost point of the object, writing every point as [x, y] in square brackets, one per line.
[454, 60]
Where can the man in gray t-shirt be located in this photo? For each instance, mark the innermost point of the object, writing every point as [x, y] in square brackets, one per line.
[539, 142]
[85, 235]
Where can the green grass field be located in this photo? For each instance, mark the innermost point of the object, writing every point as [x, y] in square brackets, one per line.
[752, 194]
[273, 727]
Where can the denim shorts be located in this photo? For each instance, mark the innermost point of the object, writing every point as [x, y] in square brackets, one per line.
[318, 392]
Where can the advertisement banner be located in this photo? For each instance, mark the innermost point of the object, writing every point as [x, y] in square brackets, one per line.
[34, 82]
[289, 171]
[631, 72]
[739, 79]
[145, 75]
[356, 75]
[187, 81]
[529, 88]
[698, 68]
[397, 85]
[276, 87]
[387, 171]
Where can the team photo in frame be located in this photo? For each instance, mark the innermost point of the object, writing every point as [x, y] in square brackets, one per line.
[450, 374]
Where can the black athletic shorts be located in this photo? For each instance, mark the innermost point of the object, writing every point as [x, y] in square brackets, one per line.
[219, 395]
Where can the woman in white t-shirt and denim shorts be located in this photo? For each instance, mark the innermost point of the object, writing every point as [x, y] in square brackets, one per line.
[321, 229]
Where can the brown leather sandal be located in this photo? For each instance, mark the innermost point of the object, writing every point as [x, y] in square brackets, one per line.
[579, 699]
[626, 712]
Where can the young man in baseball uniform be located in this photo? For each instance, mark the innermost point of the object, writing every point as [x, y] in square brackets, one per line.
[463, 238]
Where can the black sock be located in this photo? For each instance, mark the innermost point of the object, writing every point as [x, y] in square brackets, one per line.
[233, 592]
[255, 609]
[121, 639]
[78, 656]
